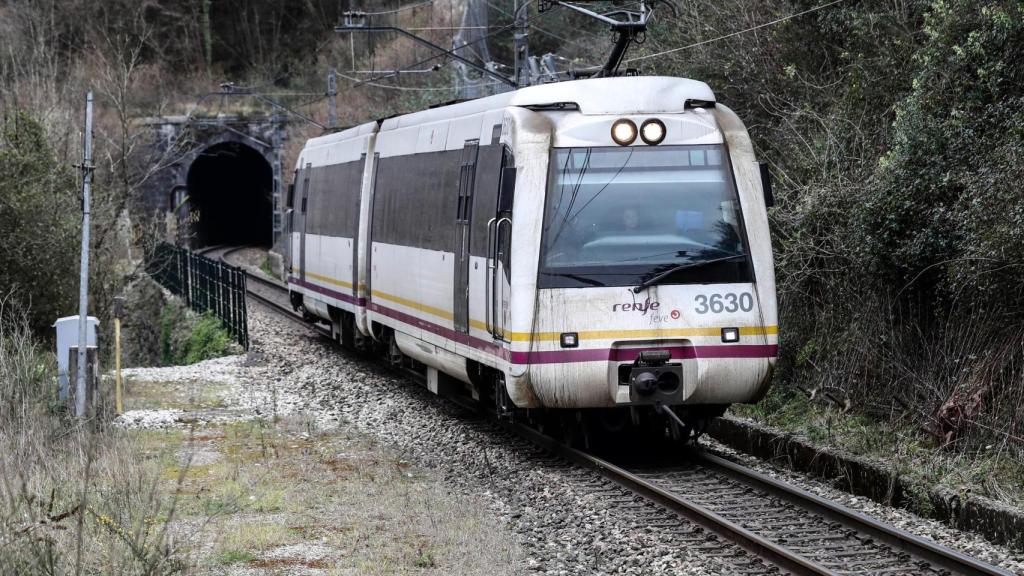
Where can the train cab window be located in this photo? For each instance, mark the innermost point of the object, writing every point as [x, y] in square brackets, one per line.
[616, 216]
[507, 183]
[290, 199]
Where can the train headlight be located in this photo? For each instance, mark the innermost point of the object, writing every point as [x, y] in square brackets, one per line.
[730, 335]
[569, 339]
[652, 131]
[624, 132]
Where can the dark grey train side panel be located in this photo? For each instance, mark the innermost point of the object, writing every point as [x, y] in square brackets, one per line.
[415, 199]
[334, 200]
[334, 191]
[440, 201]
[485, 194]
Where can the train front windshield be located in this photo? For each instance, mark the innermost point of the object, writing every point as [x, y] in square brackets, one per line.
[619, 216]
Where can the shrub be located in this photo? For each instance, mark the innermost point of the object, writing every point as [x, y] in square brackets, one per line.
[186, 338]
[207, 340]
[40, 219]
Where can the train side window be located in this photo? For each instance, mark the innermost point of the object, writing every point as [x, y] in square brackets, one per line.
[507, 186]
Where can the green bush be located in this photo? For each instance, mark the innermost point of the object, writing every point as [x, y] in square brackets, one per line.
[186, 338]
[40, 222]
[207, 340]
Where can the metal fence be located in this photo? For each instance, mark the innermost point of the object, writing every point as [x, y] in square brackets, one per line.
[206, 286]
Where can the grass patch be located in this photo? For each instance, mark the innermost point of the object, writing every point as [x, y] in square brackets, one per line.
[48, 462]
[146, 394]
[255, 536]
[284, 483]
[265, 268]
[992, 471]
[233, 557]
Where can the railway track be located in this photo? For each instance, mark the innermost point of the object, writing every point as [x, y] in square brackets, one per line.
[798, 531]
[785, 526]
[268, 291]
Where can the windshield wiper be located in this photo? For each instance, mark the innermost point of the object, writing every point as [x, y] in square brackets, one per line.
[576, 277]
[659, 277]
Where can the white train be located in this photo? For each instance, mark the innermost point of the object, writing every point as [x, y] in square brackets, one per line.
[592, 244]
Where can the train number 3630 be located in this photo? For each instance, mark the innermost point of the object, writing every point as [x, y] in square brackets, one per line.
[728, 302]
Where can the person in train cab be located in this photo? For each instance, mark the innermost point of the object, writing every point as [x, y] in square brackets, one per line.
[630, 220]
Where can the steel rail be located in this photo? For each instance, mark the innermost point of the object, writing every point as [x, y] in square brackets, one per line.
[253, 275]
[916, 546]
[269, 302]
[288, 313]
[746, 539]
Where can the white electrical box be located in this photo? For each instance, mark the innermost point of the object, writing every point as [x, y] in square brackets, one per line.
[67, 337]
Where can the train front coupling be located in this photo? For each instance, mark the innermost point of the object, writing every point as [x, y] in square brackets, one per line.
[654, 379]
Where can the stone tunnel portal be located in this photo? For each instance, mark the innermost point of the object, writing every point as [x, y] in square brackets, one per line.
[230, 187]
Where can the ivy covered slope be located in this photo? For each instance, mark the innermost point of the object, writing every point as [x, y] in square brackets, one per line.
[923, 308]
[895, 133]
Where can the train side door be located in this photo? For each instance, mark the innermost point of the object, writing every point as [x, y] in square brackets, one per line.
[463, 219]
[499, 250]
[304, 218]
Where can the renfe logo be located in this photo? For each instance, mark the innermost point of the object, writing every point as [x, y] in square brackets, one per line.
[634, 306]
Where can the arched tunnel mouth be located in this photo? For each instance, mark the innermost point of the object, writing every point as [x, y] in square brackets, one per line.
[229, 187]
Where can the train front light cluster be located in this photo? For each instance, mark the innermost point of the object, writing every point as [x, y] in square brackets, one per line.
[652, 131]
[624, 131]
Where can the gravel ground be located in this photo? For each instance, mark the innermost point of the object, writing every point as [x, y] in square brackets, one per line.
[569, 521]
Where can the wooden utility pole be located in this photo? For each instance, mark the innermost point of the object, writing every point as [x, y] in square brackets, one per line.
[118, 394]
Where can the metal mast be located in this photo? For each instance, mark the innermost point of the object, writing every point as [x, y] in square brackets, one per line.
[521, 43]
[83, 293]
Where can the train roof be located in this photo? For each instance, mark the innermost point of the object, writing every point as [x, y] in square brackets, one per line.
[618, 95]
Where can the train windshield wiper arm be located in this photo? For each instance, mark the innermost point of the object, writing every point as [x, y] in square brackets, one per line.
[661, 276]
[576, 277]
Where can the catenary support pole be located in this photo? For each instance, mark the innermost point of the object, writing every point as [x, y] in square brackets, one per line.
[521, 43]
[83, 294]
[332, 99]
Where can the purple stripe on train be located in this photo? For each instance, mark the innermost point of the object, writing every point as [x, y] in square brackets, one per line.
[328, 292]
[554, 356]
[630, 354]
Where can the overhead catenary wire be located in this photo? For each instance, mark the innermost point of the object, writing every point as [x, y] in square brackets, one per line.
[732, 34]
[399, 9]
[536, 27]
[438, 55]
[406, 88]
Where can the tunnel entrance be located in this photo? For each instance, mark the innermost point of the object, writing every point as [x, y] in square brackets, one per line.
[229, 188]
